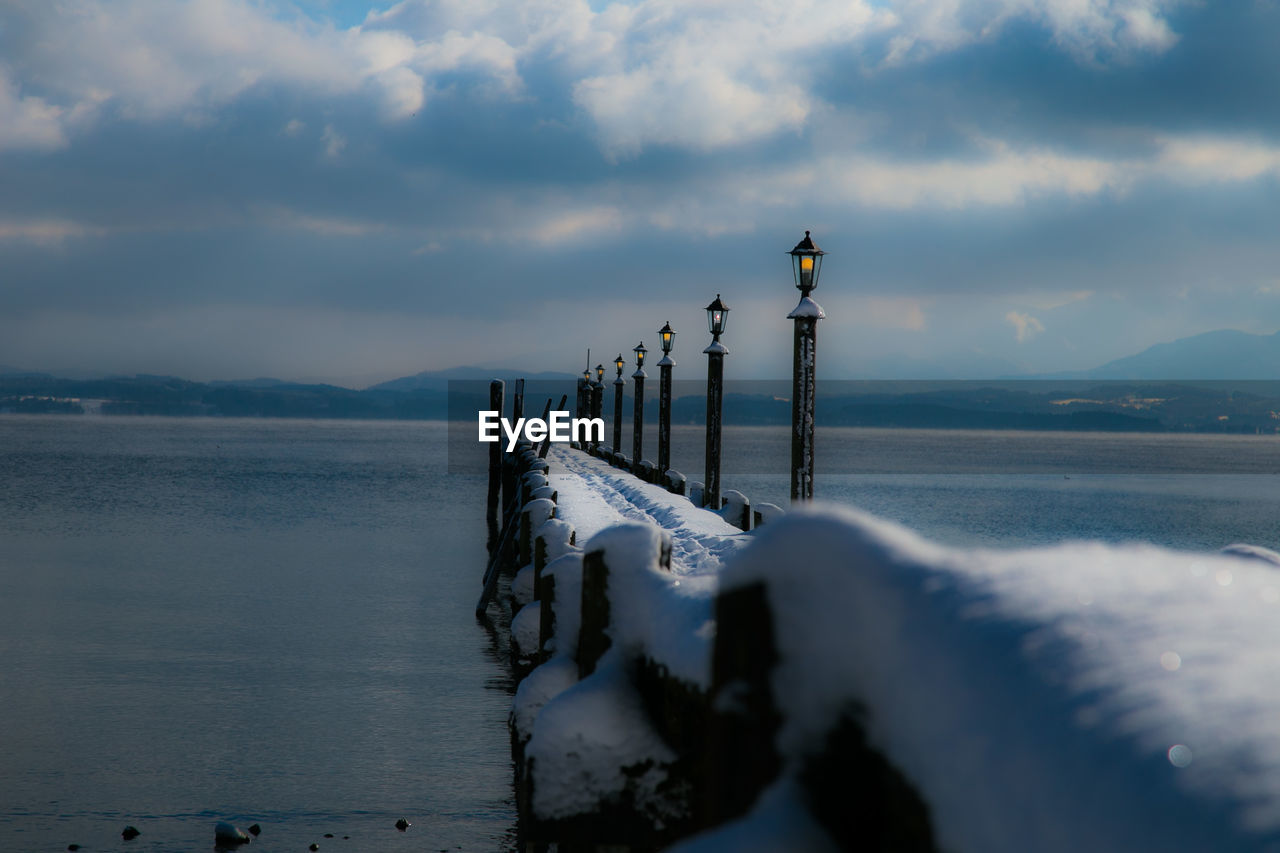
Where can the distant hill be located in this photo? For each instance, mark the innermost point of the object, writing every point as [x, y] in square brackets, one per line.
[438, 380]
[1224, 354]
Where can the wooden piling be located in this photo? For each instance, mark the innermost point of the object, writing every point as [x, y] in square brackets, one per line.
[496, 389]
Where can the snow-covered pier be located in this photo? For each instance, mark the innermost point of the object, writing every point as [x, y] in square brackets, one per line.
[831, 681]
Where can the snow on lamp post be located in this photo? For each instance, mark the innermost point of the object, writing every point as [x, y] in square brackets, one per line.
[637, 427]
[618, 385]
[668, 337]
[717, 318]
[806, 264]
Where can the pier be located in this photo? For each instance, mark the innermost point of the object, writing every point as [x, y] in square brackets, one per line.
[703, 680]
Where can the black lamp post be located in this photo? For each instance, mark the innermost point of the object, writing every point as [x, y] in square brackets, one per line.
[618, 385]
[806, 264]
[597, 396]
[717, 318]
[668, 337]
[583, 409]
[637, 427]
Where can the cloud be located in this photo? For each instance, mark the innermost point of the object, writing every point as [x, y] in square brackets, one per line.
[28, 122]
[333, 141]
[1025, 326]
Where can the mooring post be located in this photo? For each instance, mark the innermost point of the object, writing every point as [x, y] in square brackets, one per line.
[637, 420]
[619, 385]
[496, 389]
[806, 262]
[717, 318]
[517, 403]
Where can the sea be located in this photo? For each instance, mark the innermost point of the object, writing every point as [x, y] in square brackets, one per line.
[271, 621]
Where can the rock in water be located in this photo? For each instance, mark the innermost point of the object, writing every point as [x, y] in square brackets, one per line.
[129, 833]
[226, 835]
[403, 824]
[314, 847]
[255, 830]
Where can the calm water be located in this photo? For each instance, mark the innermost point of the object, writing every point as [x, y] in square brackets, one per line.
[270, 621]
[1002, 489]
[256, 621]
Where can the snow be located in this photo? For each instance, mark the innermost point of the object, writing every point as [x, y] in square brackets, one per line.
[667, 361]
[522, 585]
[538, 688]
[539, 511]
[716, 348]
[1078, 697]
[567, 604]
[769, 512]
[780, 823]
[806, 309]
[1107, 698]
[556, 533]
[653, 612]
[586, 737]
[594, 495]
[525, 629]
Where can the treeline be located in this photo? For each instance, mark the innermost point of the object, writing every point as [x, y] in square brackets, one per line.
[166, 395]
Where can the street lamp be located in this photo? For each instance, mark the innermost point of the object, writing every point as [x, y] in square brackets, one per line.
[597, 397]
[668, 337]
[806, 264]
[637, 428]
[618, 385]
[717, 319]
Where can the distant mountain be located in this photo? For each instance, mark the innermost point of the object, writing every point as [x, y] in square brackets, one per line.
[1224, 354]
[260, 382]
[438, 380]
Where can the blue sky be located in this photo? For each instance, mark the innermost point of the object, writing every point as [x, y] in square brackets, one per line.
[350, 192]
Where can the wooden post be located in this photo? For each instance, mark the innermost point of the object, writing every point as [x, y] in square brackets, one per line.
[593, 636]
[496, 388]
[517, 403]
[741, 758]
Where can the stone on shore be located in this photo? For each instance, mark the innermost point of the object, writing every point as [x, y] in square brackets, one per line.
[224, 834]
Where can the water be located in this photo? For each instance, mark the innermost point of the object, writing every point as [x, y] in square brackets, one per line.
[270, 621]
[1006, 489]
[256, 621]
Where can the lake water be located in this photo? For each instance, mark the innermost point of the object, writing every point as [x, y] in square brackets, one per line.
[270, 621]
[252, 621]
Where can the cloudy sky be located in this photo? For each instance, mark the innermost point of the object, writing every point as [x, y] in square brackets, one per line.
[353, 191]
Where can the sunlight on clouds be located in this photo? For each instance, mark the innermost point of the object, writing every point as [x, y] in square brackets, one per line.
[28, 122]
[47, 231]
[888, 312]
[1025, 326]
[575, 225]
[1007, 178]
[1208, 159]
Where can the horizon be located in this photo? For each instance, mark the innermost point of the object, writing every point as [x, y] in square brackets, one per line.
[352, 192]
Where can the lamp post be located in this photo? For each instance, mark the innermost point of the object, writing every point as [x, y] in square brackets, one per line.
[597, 397]
[583, 409]
[637, 426]
[717, 318]
[618, 385]
[806, 264]
[668, 337]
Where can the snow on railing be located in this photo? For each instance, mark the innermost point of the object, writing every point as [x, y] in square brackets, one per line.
[845, 682]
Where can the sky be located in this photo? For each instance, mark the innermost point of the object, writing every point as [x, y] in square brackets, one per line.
[354, 191]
